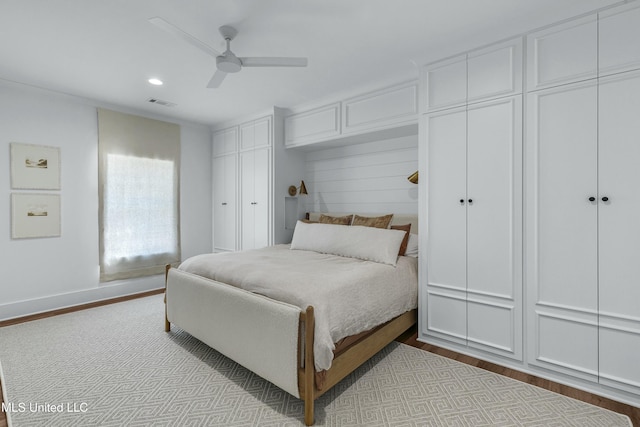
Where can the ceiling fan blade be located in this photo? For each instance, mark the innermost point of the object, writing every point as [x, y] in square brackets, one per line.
[274, 62]
[217, 79]
[172, 29]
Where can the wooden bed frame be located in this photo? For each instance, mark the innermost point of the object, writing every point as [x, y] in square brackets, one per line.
[207, 303]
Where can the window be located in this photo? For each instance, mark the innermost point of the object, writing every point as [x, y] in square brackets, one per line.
[139, 195]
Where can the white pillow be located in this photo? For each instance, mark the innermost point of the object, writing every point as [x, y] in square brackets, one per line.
[412, 246]
[367, 243]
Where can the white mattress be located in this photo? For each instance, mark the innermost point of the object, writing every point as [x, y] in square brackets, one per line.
[349, 296]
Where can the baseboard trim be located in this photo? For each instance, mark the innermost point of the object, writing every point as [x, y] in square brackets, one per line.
[78, 307]
[96, 292]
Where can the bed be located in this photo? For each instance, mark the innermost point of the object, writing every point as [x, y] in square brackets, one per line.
[270, 311]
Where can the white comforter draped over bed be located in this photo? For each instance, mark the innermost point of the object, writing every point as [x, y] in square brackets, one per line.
[348, 295]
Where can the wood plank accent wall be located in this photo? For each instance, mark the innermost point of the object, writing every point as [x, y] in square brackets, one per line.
[367, 177]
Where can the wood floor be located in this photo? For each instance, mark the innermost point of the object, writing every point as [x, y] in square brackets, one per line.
[410, 338]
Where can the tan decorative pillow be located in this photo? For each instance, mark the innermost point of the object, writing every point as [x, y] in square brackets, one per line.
[339, 220]
[407, 229]
[375, 221]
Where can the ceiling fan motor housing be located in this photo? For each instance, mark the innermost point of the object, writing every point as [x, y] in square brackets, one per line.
[228, 63]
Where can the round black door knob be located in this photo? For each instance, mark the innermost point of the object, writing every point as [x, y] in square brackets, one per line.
[592, 199]
[462, 201]
[470, 200]
[605, 199]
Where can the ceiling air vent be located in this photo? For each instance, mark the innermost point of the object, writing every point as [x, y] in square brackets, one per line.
[161, 102]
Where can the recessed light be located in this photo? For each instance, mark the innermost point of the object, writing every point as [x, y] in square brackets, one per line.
[156, 82]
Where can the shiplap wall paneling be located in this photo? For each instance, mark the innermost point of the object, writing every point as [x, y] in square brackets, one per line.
[368, 177]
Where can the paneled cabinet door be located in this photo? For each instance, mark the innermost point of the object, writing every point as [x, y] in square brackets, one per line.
[446, 307]
[224, 202]
[225, 141]
[618, 35]
[619, 231]
[495, 71]
[563, 54]
[255, 196]
[474, 252]
[255, 134]
[445, 84]
[561, 229]
[494, 226]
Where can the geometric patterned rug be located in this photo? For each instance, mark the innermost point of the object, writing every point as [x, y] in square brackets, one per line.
[115, 366]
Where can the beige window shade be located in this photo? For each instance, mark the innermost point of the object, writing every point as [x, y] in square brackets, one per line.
[139, 184]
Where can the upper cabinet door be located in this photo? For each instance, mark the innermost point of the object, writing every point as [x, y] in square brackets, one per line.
[563, 54]
[445, 83]
[383, 108]
[262, 132]
[225, 141]
[495, 71]
[619, 33]
[247, 136]
[305, 127]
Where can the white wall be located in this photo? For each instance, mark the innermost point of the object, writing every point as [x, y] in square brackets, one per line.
[364, 178]
[48, 273]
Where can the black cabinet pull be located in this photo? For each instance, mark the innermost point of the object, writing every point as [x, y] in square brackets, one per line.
[224, 203]
[470, 200]
[592, 199]
[605, 199]
[462, 201]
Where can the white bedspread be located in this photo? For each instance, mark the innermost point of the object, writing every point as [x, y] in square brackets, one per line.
[348, 295]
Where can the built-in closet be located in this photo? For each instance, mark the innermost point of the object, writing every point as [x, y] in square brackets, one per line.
[583, 198]
[532, 248]
[472, 295]
[251, 174]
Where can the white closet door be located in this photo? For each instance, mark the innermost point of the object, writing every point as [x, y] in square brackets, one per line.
[231, 207]
[619, 230]
[494, 212]
[446, 250]
[261, 198]
[247, 199]
[561, 230]
[224, 199]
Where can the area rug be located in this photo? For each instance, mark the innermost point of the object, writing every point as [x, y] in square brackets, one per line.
[115, 366]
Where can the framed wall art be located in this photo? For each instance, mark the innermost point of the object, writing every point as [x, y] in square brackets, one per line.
[35, 215]
[35, 167]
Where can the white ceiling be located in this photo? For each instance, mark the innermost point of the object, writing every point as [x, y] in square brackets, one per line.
[106, 50]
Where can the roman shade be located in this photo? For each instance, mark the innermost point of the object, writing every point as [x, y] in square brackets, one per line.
[139, 182]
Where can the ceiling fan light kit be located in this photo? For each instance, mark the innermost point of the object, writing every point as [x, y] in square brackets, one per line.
[227, 62]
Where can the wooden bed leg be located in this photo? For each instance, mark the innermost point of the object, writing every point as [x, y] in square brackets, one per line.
[309, 368]
[167, 324]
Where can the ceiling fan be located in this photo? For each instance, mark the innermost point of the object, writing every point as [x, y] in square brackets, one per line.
[227, 61]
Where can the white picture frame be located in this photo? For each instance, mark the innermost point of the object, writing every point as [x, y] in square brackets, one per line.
[35, 215]
[35, 167]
